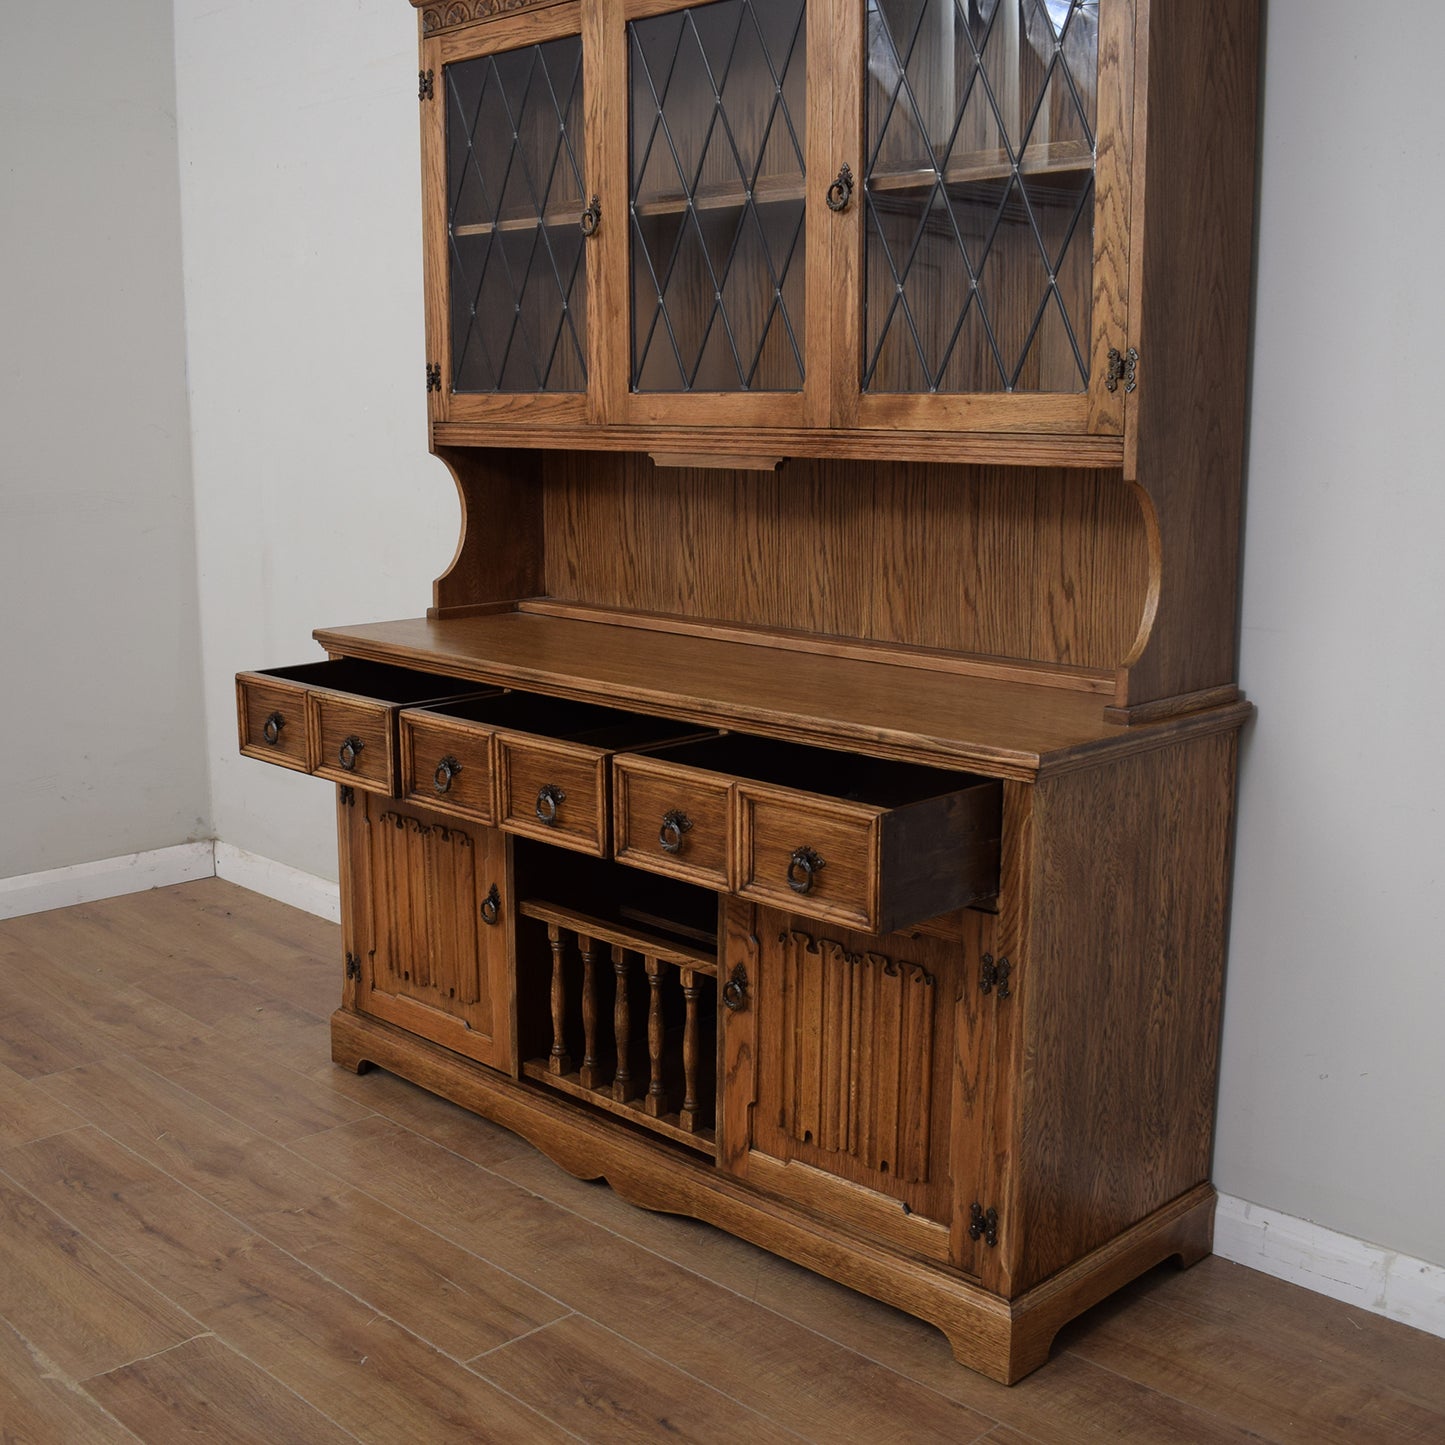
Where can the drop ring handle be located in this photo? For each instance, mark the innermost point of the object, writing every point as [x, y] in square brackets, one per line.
[348, 752]
[803, 867]
[447, 769]
[674, 824]
[549, 797]
[591, 218]
[271, 728]
[492, 907]
[841, 191]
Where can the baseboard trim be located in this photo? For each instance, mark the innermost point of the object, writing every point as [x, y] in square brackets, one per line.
[105, 878]
[1373, 1278]
[279, 881]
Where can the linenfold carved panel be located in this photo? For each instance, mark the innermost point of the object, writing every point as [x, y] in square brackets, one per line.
[857, 1036]
[426, 922]
[463, 12]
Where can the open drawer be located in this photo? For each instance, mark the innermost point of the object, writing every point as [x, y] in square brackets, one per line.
[857, 841]
[530, 764]
[336, 719]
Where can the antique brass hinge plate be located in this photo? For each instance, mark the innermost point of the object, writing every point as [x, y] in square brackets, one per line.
[994, 974]
[434, 376]
[983, 1224]
[1123, 366]
[353, 965]
[426, 84]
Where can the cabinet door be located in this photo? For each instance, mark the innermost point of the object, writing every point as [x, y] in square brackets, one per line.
[437, 956]
[990, 226]
[506, 167]
[856, 1074]
[719, 136]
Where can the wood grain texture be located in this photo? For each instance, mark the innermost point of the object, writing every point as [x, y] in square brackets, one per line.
[494, 488]
[1190, 321]
[1004, 729]
[1123, 941]
[206, 1389]
[980, 448]
[429, 961]
[937, 556]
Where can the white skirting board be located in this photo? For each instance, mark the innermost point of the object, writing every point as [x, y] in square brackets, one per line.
[279, 881]
[106, 878]
[1338, 1265]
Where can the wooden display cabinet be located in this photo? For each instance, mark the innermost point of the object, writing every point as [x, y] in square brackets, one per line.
[807, 803]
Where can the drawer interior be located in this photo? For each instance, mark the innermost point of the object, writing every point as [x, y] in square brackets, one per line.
[610, 729]
[378, 680]
[874, 782]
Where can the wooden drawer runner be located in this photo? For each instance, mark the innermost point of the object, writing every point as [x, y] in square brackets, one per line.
[858, 841]
[530, 764]
[335, 719]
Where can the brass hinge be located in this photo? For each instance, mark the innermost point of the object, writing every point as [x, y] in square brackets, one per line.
[353, 965]
[983, 1224]
[994, 975]
[347, 795]
[1122, 367]
[434, 376]
[426, 84]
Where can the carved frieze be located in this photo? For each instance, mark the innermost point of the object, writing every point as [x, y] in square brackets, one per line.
[435, 17]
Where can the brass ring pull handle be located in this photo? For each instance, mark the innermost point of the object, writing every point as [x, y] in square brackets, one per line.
[549, 796]
[348, 751]
[674, 824]
[492, 907]
[447, 769]
[735, 990]
[591, 218]
[802, 867]
[841, 191]
[271, 728]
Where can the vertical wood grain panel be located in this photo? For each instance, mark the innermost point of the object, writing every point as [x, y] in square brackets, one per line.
[1003, 562]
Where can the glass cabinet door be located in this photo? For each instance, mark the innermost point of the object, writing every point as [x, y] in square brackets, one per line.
[721, 113]
[507, 220]
[993, 239]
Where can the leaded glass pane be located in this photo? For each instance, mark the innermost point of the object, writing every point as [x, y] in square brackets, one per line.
[717, 147]
[514, 202]
[979, 189]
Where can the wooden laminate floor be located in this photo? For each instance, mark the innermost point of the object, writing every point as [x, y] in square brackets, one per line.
[209, 1233]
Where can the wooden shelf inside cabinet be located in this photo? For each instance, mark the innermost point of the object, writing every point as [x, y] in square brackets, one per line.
[1058, 158]
[768, 190]
[554, 220]
[1003, 729]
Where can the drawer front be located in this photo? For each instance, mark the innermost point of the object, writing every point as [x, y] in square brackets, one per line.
[271, 716]
[811, 854]
[448, 767]
[672, 820]
[353, 741]
[554, 791]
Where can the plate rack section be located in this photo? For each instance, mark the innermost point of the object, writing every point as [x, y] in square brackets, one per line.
[633, 1021]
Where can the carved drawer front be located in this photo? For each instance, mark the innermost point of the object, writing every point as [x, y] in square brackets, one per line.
[531, 764]
[672, 820]
[858, 841]
[335, 719]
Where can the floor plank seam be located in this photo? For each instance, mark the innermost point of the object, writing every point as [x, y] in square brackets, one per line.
[49, 1370]
[525, 1335]
[206, 1333]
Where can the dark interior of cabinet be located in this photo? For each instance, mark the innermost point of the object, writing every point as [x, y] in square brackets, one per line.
[1049, 566]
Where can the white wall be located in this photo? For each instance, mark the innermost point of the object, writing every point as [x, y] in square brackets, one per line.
[99, 657]
[316, 500]
[1333, 1097]
[316, 503]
